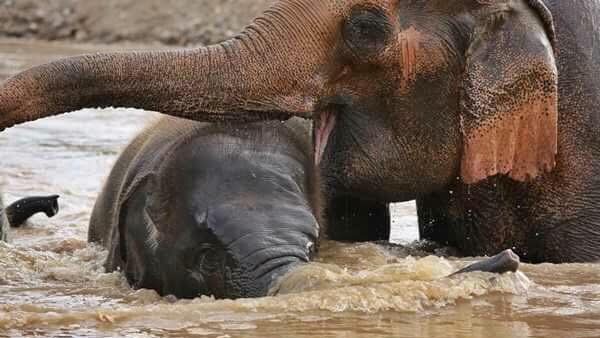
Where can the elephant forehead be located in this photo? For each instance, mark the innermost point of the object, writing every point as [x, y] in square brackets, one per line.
[410, 42]
[417, 53]
[343, 7]
[249, 229]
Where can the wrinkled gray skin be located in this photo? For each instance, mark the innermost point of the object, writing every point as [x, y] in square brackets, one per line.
[198, 209]
[485, 112]
[16, 214]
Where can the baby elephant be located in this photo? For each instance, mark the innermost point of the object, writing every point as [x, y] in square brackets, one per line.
[16, 214]
[204, 209]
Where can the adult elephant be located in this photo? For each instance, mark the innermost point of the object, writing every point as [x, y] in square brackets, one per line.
[483, 111]
[194, 209]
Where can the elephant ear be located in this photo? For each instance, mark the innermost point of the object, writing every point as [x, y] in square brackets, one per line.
[509, 99]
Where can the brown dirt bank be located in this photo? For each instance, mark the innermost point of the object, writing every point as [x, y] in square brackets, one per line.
[177, 22]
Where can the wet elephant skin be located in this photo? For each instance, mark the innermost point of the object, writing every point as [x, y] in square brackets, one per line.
[16, 214]
[506, 261]
[485, 112]
[195, 209]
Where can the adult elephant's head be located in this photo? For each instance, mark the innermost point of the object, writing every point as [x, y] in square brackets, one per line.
[407, 95]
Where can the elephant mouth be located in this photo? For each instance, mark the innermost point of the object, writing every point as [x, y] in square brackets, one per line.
[324, 125]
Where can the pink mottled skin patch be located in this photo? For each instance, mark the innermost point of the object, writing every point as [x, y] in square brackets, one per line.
[324, 127]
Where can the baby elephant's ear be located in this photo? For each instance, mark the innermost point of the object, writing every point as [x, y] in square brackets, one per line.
[509, 103]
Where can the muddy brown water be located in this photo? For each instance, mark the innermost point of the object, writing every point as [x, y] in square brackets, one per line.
[52, 283]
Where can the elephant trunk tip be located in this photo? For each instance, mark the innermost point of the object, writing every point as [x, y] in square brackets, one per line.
[20, 211]
[506, 261]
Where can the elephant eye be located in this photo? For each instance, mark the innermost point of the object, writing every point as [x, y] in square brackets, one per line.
[205, 258]
[366, 31]
[208, 260]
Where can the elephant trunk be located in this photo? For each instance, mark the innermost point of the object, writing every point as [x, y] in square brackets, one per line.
[259, 74]
[20, 211]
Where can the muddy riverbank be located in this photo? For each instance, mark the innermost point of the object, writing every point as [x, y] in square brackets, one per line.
[181, 22]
